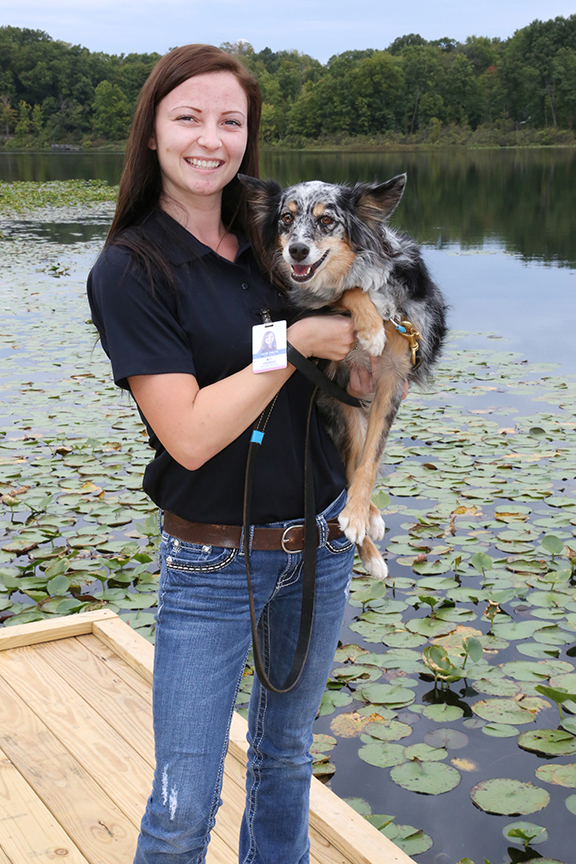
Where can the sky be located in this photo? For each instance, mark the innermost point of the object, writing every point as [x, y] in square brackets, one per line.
[320, 28]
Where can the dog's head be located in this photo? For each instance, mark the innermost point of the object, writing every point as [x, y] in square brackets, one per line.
[312, 233]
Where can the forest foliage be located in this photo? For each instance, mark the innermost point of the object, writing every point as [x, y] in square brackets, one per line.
[481, 91]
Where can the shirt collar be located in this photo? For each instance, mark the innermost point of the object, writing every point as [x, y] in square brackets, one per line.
[177, 243]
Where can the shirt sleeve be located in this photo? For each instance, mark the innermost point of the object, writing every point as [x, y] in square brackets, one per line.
[139, 328]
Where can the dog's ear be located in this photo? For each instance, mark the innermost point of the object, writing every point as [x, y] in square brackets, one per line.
[263, 195]
[374, 203]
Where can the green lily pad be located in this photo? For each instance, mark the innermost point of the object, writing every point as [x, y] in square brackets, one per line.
[411, 840]
[571, 804]
[425, 753]
[500, 730]
[496, 686]
[359, 805]
[502, 711]
[504, 796]
[403, 639]
[386, 694]
[383, 755]
[558, 775]
[442, 712]
[519, 832]
[333, 699]
[569, 723]
[551, 742]
[428, 778]
[394, 730]
[452, 739]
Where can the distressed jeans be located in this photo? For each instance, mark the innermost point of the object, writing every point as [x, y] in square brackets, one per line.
[202, 641]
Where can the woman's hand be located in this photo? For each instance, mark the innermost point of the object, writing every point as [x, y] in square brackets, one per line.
[330, 337]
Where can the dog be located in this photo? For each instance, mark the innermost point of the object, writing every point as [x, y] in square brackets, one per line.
[330, 246]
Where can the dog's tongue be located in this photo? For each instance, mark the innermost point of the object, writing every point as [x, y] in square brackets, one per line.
[300, 269]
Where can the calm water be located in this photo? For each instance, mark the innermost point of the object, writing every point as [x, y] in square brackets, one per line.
[498, 227]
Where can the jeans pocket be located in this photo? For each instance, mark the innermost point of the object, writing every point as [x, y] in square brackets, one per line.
[196, 557]
[339, 544]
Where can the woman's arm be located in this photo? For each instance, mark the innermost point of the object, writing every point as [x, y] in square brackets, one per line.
[195, 423]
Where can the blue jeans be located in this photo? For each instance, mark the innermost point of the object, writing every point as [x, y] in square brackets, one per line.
[202, 641]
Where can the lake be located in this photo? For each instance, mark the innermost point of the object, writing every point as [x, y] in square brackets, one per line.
[498, 227]
[484, 463]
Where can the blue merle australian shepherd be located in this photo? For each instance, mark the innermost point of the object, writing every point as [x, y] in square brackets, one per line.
[330, 246]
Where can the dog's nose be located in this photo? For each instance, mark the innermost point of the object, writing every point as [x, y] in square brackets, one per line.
[298, 251]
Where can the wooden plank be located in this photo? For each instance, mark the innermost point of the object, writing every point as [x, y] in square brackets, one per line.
[3, 856]
[118, 666]
[108, 695]
[52, 628]
[96, 825]
[119, 770]
[28, 831]
[134, 649]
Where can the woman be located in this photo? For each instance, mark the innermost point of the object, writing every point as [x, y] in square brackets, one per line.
[175, 295]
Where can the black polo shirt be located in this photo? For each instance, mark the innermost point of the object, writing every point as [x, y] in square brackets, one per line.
[204, 327]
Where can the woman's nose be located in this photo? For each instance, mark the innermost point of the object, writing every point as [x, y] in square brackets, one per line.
[210, 137]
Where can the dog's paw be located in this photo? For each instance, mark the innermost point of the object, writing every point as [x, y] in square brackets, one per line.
[372, 560]
[376, 567]
[377, 527]
[373, 342]
[353, 525]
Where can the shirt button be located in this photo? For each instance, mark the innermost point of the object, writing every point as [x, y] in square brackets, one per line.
[245, 286]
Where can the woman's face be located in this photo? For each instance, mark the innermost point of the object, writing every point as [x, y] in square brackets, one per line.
[200, 137]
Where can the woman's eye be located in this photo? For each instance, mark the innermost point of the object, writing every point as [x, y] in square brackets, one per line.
[287, 218]
[327, 220]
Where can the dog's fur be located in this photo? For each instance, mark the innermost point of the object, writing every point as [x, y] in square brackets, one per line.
[330, 246]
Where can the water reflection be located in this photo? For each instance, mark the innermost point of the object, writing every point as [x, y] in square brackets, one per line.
[521, 199]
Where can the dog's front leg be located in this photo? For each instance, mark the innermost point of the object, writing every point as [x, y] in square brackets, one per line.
[367, 320]
[395, 367]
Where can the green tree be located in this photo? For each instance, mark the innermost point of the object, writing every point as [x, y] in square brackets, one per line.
[111, 112]
[24, 124]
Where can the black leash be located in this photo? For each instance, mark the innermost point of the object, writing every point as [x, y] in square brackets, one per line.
[318, 380]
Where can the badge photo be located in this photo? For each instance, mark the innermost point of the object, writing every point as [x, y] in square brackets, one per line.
[269, 346]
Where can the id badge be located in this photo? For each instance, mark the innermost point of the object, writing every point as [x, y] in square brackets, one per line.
[269, 346]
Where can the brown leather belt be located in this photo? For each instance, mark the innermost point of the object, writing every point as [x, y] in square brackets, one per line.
[290, 539]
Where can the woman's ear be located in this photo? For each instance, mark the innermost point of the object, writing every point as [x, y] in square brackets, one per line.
[152, 143]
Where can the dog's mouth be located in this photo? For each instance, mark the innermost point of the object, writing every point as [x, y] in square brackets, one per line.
[305, 272]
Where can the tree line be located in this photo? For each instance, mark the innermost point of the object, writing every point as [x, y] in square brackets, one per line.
[413, 90]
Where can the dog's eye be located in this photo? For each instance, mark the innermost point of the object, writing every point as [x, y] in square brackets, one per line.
[287, 218]
[327, 220]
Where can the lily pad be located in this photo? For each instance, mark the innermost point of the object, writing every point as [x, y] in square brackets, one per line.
[550, 742]
[349, 724]
[425, 753]
[504, 796]
[503, 711]
[411, 840]
[391, 731]
[519, 832]
[571, 804]
[500, 730]
[428, 778]
[386, 694]
[452, 739]
[442, 712]
[383, 755]
[558, 775]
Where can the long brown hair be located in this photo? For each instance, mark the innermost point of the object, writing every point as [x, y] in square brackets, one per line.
[141, 182]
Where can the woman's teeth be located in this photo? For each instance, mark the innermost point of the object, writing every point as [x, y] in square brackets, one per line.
[204, 163]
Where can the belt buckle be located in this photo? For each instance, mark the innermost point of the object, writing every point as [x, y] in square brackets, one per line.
[284, 539]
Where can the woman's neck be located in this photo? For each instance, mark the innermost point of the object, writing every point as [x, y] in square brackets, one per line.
[204, 221]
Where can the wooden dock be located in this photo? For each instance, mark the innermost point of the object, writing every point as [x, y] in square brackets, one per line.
[77, 755]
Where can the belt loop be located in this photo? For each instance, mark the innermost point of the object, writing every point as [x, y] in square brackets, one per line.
[250, 541]
[322, 531]
[160, 520]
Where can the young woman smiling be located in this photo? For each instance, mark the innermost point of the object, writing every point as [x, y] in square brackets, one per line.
[175, 295]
